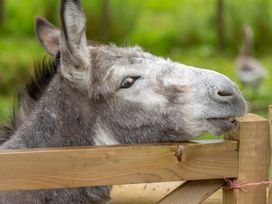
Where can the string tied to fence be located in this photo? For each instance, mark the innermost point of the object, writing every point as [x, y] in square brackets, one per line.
[236, 185]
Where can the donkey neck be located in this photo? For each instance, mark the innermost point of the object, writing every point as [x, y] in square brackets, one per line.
[62, 117]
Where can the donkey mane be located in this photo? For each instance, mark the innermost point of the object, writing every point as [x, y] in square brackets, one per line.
[44, 70]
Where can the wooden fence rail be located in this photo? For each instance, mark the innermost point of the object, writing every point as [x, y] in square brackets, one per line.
[243, 156]
[91, 166]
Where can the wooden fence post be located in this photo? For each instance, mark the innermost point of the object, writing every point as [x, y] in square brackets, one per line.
[253, 134]
[270, 152]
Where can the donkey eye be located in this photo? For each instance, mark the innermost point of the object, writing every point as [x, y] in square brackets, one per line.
[128, 82]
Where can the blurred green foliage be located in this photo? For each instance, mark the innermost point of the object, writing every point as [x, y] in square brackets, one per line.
[183, 30]
[155, 24]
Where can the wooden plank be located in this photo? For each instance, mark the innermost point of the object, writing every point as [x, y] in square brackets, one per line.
[234, 134]
[193, 192]
[253, 152]
[270, 152]
[151, 193]
[92, 166]
[250, 117]
[215, 198]
[142, 193]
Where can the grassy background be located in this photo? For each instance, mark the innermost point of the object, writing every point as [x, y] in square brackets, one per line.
[183, 30]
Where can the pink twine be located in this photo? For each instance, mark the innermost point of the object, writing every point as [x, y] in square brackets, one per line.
[235, 185]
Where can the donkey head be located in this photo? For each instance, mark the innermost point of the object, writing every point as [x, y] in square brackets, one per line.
[139, 97]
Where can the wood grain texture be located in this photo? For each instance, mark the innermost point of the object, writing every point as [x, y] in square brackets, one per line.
[151, 193]
[253, 156]
[142, 193]
[126, 164]
[193, 192]
[270, 152]
[215, 198]
[234, 134]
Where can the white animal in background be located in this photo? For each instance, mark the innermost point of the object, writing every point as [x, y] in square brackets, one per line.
[249, 70]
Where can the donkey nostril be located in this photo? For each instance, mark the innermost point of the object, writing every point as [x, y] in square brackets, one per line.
[224, 93]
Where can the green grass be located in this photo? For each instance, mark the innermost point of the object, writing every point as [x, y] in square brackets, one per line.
[16, 61]
[5, 109]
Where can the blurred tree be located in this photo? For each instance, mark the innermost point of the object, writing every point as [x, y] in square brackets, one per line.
[1, 11]
[105, 19]
[263, 31]
[51, 11]
[220, 24]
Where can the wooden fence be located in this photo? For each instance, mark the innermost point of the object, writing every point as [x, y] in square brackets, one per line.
[204, 165]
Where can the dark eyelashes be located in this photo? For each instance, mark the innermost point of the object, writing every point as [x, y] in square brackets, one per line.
[128, 81]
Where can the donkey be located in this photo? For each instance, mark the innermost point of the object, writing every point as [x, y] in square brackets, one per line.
[106, 95]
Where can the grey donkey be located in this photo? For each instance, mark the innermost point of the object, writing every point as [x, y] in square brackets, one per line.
[106, 95]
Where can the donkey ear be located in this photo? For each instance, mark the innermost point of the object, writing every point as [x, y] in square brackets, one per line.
[74, 48]
[47, 35]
